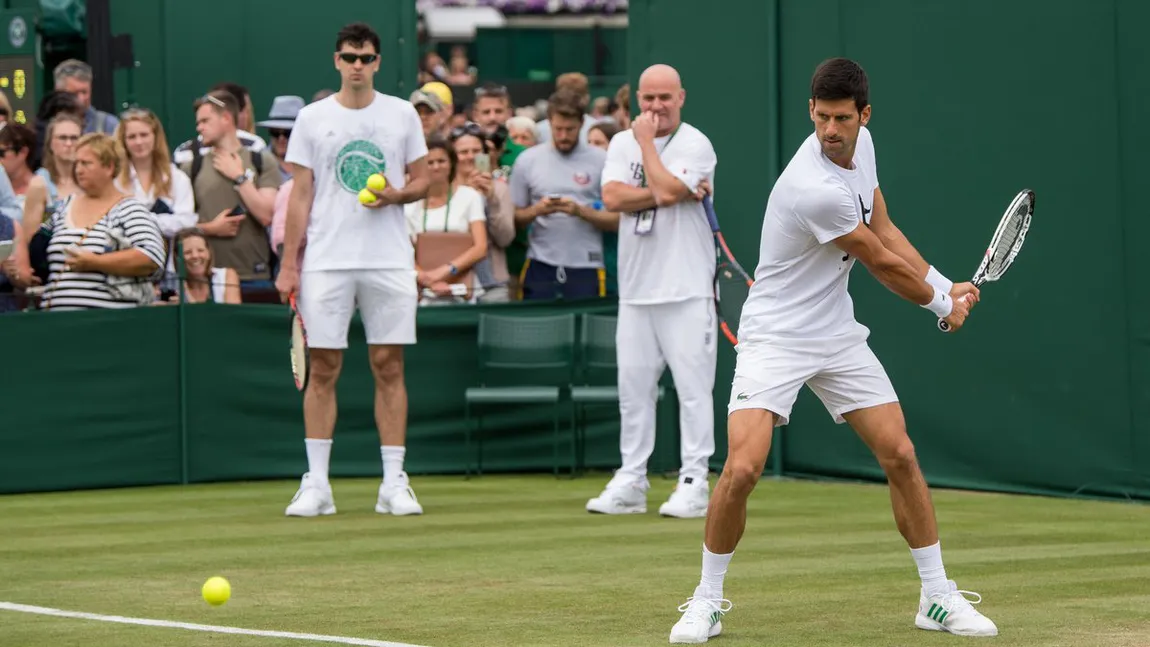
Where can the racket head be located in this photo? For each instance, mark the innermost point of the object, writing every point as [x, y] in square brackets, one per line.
[732, 283]
[300, 356]
[1007, 239]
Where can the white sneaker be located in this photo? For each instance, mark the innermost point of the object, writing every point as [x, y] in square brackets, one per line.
[953, 612]
[688, 501]
[623, 495]
[700, 621]
[398, 499]
[312, 499]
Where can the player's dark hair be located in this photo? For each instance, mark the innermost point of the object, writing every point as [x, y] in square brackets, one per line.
[565, 103]
[238, 92]
[445, 146]
[836, 79]
[357, 34]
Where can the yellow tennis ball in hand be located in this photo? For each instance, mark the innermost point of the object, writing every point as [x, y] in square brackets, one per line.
[376, 182]
[366, 197]
[217, 591]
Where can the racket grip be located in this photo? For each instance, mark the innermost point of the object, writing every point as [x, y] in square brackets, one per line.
[943, 326]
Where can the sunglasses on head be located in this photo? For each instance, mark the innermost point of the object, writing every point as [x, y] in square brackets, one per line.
[366, 59]
[498, 91]
[469, 128]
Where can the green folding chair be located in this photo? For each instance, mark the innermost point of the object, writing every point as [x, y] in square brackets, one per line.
[522, 360]
[598, 376]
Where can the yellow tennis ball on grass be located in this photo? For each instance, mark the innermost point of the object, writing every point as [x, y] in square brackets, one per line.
[366, 197]
[217, 591]
[376, 182]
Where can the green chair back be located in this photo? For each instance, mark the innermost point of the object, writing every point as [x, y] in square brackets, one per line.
[597, 356]
[526, 350]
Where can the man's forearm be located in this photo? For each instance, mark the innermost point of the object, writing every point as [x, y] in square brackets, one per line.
[415, 190]
[665, 187]
[295, 224]
[260, 206]
[601, 220]
[893, 239]
[624, 198]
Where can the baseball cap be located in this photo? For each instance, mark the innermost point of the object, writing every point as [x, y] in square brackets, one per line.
[440, 90]
[419, 97]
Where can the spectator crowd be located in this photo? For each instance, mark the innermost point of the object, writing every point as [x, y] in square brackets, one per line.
[97, 212]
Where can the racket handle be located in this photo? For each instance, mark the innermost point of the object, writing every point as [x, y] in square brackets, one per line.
[943, 326]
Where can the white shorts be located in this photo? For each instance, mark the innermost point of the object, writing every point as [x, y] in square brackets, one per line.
[768, 376]
[387, 301]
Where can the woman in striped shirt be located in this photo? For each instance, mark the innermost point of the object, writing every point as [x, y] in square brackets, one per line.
[106, 247]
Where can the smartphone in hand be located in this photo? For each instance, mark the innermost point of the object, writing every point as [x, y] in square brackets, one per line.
[483, 163]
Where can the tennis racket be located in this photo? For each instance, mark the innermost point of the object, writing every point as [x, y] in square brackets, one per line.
[1005, 243]
[300, 358]
[732, 283]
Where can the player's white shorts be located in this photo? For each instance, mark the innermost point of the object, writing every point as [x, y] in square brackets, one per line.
[768, 376]
[387, 300]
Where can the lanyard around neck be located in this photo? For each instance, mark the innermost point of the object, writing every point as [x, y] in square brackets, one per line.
[446, 213]
[643, 179]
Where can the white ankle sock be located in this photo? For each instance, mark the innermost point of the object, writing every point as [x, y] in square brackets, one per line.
[930, 569]
[392, 462]
[318, 457]
[714, 570]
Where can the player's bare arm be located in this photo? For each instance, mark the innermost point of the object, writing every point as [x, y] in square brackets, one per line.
[899, 276]
[295, 225]
[413, 191]
[893, 239]
[624, 198]
[599, 219]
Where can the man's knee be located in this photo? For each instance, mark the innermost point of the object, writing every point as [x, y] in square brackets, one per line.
[899, 457]
[324, 368]
[741, 474]
[387, 364]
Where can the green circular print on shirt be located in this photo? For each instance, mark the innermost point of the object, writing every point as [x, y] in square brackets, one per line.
[355, 162]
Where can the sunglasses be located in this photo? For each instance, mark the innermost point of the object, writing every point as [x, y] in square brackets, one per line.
[276, 133]
[469, 128]
[366, 59]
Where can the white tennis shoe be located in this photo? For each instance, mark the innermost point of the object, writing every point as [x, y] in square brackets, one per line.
[623, 495]
[701, 620]
[313, 499]
[398, 498]
[688, 501]
[953, 612]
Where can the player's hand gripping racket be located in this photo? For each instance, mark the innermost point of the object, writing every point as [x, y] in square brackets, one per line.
[732, 283]
[1005, 243]
[300, 359]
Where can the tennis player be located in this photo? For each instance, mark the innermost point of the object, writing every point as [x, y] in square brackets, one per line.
[656, 174]
[355, 255]
[798, 327]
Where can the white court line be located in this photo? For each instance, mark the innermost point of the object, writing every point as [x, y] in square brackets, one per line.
[45, 611]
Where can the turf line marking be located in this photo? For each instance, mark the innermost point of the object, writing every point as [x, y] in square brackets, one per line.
[45, 611]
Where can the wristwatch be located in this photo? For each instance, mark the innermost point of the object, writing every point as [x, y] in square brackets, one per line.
[452, 268]
[248, 174]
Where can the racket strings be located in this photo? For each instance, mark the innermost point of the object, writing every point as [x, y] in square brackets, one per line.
[1011, 234]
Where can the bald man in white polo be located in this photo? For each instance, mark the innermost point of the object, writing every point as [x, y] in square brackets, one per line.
[656, 175]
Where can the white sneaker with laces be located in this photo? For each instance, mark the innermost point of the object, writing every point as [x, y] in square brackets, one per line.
[623, 495]
[700, 621]
[312, 499]
[398, 499]
[688, 501]
[953, 612]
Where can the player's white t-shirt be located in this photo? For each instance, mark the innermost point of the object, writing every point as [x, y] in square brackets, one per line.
[464, 208]
[675, 261]
[800, 292]
[342, 147]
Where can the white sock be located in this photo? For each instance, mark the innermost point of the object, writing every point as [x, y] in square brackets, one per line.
[714, 570]
[930, 569]
[318, 456]
[392, 462]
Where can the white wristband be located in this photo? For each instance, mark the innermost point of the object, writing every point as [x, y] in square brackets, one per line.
[935, 278]
[941, 304]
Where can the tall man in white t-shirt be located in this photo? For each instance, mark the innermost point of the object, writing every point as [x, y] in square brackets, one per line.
[655, 174]
[354, 255]
[798, 327]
